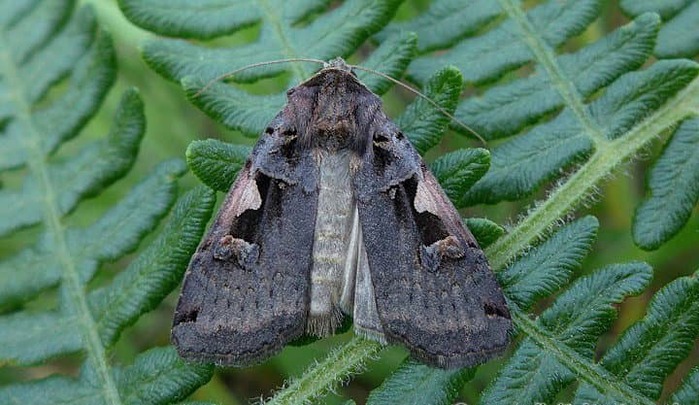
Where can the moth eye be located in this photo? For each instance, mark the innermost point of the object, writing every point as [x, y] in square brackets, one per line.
[290, 91]
[400, 136]
[269, 130]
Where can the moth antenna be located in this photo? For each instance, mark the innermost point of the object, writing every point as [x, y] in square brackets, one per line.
[254, 65]
[429, 100]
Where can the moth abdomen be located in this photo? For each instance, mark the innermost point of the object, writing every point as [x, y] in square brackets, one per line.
[332, 239]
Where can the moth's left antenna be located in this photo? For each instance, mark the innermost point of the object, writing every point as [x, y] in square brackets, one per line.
[254, 65]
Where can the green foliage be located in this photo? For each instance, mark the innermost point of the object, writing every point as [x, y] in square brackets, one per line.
[216, 163]
[484, 230]
[649, 350]
[415, 383]
[673, 183]
[679, 36]
[537, 372]
[53, 79]
[563, 105]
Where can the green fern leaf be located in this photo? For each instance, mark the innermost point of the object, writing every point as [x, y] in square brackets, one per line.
[31, 337]
[422, 123]
[581, 131]
[457, 171]
[679, 36]
[216, 163]
[576, 319]
[504, 110]
[520, 166]
[158, 376]
[60, 121]
[674, 188]
[651, 348]
[41, 111]
[544, 270]
[342, 30]
[182, 18]
[249, 113]
[445, 22]
[415, 383]
[487, 56]
[484, 230]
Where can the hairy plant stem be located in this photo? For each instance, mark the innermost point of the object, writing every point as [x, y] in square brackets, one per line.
[333, 370]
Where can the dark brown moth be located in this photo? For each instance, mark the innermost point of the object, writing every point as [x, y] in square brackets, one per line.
[336, 214]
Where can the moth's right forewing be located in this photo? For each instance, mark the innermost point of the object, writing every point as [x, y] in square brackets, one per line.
[245, 293]
[434, 291]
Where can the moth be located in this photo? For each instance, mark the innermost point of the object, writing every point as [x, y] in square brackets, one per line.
[335, 214]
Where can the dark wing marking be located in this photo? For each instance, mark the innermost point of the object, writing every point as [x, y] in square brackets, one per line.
[435, 292]
[246, 291]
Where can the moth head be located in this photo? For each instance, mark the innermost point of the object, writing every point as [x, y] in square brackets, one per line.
[338, 64]
[332, 109]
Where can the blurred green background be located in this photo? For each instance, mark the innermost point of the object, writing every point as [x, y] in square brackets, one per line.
[173, 123]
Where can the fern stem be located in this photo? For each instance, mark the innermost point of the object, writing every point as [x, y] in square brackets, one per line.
[335, 368]
[600, 166]
[582, 367]
[71, 286]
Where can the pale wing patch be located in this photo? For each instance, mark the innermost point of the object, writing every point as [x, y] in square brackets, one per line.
[425, 200]
[250, 198]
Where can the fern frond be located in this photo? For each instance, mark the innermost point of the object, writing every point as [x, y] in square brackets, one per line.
[679, 37]
[40, 112]
[651, 348]
[673, 185]
[538, 371]
[484, 230]
[546, 269]
[415, 383]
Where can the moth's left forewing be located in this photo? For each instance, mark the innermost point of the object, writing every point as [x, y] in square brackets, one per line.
[246, 291]
[434, 290]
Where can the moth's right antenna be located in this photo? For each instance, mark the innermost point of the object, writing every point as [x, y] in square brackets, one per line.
[254, 65]
[429, 100]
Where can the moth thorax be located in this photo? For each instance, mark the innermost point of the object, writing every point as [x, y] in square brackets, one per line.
[332, 138]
